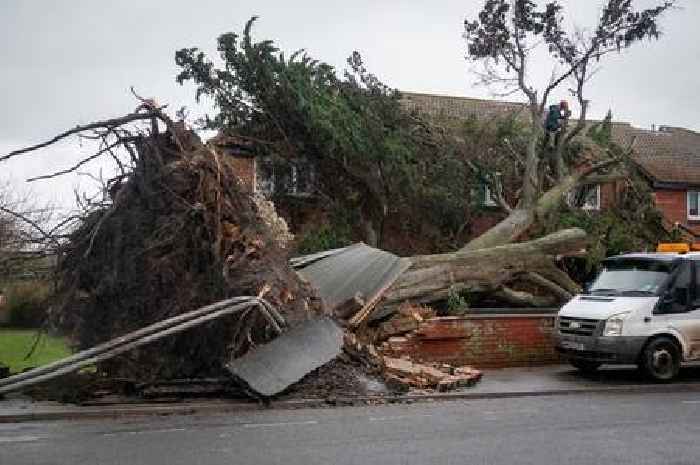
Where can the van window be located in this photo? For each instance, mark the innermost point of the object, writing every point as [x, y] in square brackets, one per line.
[680, 290]
[695, 303]
[632, 277]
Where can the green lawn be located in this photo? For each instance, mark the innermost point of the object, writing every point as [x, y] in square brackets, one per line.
[16, 343]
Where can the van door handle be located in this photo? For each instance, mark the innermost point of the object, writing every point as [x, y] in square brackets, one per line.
[647, 319]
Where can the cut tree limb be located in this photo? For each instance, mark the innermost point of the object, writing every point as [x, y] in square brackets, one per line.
[545, 283]
[431, 276]
[523, 299]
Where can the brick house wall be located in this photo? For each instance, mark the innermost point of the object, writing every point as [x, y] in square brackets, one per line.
[244, 167]
[673, 204]
[482, 341]
[608, 195]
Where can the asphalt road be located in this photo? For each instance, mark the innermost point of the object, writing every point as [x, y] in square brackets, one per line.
[577, 429]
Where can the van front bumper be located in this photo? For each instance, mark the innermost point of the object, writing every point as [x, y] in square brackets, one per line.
[601, 349]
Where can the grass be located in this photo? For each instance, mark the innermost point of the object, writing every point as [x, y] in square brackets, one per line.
[16, 343]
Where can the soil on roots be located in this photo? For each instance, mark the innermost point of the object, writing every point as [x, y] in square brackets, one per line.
[179, 234]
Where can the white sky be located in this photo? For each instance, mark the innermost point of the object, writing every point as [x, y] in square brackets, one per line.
[65, 63]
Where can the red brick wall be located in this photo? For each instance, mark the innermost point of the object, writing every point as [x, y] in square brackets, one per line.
[244, 168]
[673, 204]
[482, 341]
[608, 195]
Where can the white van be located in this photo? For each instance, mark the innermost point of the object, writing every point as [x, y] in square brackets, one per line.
[642, 308]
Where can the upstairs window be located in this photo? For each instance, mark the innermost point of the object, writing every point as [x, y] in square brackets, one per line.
[489, 199]
[586, 197]
[284, 178]
[693, 205]
[485, 192]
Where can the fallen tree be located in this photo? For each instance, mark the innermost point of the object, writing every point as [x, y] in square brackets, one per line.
[174, 233]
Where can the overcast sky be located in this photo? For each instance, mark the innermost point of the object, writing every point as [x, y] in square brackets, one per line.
[71, 62]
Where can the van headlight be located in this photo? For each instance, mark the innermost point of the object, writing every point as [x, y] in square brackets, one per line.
[613, 325]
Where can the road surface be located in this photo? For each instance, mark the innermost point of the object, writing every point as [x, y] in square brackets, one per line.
[576, 429]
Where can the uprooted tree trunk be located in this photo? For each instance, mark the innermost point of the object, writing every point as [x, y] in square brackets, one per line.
[177, 234]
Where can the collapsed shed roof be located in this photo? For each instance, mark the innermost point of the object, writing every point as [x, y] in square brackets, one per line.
[342, 274]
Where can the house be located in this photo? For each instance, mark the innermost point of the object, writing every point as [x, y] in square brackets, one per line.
[264, 175]
[668, 156]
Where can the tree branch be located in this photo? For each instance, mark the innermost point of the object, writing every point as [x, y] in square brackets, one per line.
[545, 283]
[109, 123]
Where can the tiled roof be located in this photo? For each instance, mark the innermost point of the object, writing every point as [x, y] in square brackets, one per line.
[447, 107]
[668, 154]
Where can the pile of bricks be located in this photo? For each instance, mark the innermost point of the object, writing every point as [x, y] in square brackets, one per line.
[407, 319]
[402, 374]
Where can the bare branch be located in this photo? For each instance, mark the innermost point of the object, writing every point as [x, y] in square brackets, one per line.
[109, 123]
[30, 222]
[77, 165]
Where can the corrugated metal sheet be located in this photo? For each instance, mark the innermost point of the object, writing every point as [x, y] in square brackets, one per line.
[273, 367]
[356, 269]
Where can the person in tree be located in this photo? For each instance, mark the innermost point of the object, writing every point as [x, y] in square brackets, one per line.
[556, 122]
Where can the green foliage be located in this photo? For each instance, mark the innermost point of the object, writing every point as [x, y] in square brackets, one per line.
[632, 224]
[369, 155]
[505, 27]
[456, 303]
[490, 147]
[325, 237]
[26, 303]
[601, 132]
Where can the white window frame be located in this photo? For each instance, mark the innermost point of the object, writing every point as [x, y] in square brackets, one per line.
[489, 199]
[267, 186]
[687, 205]
[586, 204]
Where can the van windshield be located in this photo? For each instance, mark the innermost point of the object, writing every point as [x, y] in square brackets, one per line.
[631, 277]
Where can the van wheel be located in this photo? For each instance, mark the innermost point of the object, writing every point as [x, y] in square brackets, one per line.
[585, 366]
[661, 359]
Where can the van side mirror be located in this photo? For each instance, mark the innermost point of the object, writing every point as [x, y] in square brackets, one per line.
[676, 296]
[666, 302]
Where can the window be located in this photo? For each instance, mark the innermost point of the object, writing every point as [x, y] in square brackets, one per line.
[695, 289]
[488, 198]
[586, 197]
[286, 178]
[680, 290]
[631, 277]
[693, 205]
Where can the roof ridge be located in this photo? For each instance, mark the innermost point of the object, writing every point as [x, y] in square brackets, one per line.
[460, 97]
